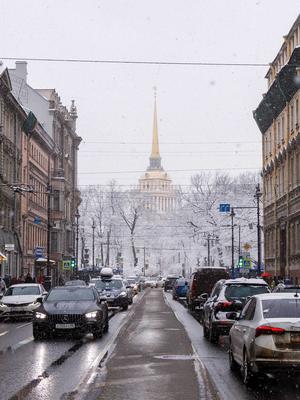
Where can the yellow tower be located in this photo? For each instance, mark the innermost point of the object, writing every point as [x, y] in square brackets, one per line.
[156, 183]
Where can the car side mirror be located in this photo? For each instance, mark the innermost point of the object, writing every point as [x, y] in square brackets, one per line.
[39, 300]
[204, 296]
[44, 293]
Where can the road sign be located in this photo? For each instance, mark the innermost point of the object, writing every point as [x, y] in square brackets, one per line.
[38, 252]
[37, 220]
[224, 207]
[66, 264]
[9, 247]
[247, 246]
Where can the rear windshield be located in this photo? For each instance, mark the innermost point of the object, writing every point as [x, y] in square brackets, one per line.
[71, 294]
[108, 285]
[281, 308]
[22, 291]
[242, 291]
[181, 282]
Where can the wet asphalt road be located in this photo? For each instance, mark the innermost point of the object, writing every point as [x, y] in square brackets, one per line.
[147, 354]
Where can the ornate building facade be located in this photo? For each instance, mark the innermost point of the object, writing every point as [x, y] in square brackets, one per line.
[156, 184]
[278, 118]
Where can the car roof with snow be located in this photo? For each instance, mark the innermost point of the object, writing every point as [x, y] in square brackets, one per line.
[245, 281]
[277, 296]
[25, 284]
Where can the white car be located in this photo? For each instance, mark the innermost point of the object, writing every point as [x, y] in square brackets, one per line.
[21, 300]
[266, 336]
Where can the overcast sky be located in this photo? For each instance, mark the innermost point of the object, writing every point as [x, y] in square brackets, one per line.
[203, 105]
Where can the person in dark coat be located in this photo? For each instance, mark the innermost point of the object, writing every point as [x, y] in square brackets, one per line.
[28, 278]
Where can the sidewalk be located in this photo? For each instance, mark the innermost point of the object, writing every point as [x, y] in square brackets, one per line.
[153, 357]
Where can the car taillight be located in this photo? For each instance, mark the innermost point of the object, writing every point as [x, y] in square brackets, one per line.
[268, 330]
[223, 305]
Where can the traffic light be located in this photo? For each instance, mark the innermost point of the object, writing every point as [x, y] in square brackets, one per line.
[73, 263]
[241, 261]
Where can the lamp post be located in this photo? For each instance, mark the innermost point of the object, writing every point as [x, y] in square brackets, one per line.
[258, 195]
[93, 249]
[232, 214]
[77, 216]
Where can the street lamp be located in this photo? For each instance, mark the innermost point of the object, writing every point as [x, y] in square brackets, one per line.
[77, 216]
[258, 195]
[93, 255]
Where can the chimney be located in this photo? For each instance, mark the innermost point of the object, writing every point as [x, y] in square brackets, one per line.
[21, 70]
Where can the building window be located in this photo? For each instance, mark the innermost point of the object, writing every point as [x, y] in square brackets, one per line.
[56, 200]
[292, 117]
[54, 242]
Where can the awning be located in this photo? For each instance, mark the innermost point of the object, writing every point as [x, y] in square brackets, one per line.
[44, 260]
[2, 257]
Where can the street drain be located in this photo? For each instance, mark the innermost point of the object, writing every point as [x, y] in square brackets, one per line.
[176, 357]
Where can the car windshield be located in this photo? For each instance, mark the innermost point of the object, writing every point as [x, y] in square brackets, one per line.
[281, 308]
[243, 291]
[108, 285]
[131, 281]
[22, 291]
[71, 294]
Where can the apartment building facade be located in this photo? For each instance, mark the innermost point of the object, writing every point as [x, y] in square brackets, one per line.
[278, 118]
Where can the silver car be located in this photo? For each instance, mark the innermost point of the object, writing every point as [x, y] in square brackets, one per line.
[266, 336]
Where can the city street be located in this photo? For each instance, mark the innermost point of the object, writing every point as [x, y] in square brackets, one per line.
[146, 354]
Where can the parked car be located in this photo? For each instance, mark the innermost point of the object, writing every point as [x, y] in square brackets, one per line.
[21, 300]
[180, 288]
[133, 282]
[282, 287]
[266, 336]
[71, 309]
[129, 290]
[112, 290]
[202, 281]
[75, 282]
[227, 297]
[170, 282]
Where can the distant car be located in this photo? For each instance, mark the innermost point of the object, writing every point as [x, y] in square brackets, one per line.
[112, 290]
[93, 281]
[227, 299]
[21, 300]
[133, 282]
[170, 282]
[180, 288]
[129, 290]
[75, 282]
[150, 283]
[281, 287]
[266, 337]
[201, 282]
[71, 309]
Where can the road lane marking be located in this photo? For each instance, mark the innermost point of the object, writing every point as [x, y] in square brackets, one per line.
[3, 333]
[21, 343]
[22, 326]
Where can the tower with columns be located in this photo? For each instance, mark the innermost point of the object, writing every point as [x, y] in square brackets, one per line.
[155, 183]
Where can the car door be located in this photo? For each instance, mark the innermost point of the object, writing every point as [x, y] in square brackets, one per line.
[241, 330]
[208, 306]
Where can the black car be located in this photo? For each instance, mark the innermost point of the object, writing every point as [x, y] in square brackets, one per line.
[71, 309]
[225, 303]
[202, 281]
[113, 291]
[170, 282]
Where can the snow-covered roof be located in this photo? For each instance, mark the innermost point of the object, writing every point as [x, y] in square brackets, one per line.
[245, 281]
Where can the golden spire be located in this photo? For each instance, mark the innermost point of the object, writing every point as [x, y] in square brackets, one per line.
[155, 145]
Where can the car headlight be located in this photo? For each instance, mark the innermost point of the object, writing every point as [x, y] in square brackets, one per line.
[40, 315]
[92, 314]
[123, 294]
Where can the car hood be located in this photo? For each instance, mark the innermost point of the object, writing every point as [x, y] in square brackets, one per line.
[20, 299]
[112, 293]
[69, 307]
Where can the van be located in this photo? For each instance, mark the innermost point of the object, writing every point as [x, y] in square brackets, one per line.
[202, 281]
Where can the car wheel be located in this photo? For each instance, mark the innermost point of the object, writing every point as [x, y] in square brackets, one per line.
[232, 363]
[124, 308]
[205, 331]
[99, 333]
[106, 326]
[247, 372]
[37, 335]
[213, 335]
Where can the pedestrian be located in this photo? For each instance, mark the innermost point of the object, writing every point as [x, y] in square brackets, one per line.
[41, 279]
[28, 278]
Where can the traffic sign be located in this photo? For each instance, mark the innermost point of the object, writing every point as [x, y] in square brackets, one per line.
[224, 207]
[38, 252]
[9, 247]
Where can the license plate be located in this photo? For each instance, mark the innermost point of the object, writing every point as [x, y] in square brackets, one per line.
[65, 326]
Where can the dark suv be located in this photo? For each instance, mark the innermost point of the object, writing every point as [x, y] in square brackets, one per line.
[202, 281]
[170, 282]
[226, 302]
[113, 291]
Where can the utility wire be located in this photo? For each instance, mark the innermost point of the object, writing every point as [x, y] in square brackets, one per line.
[139, 62]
